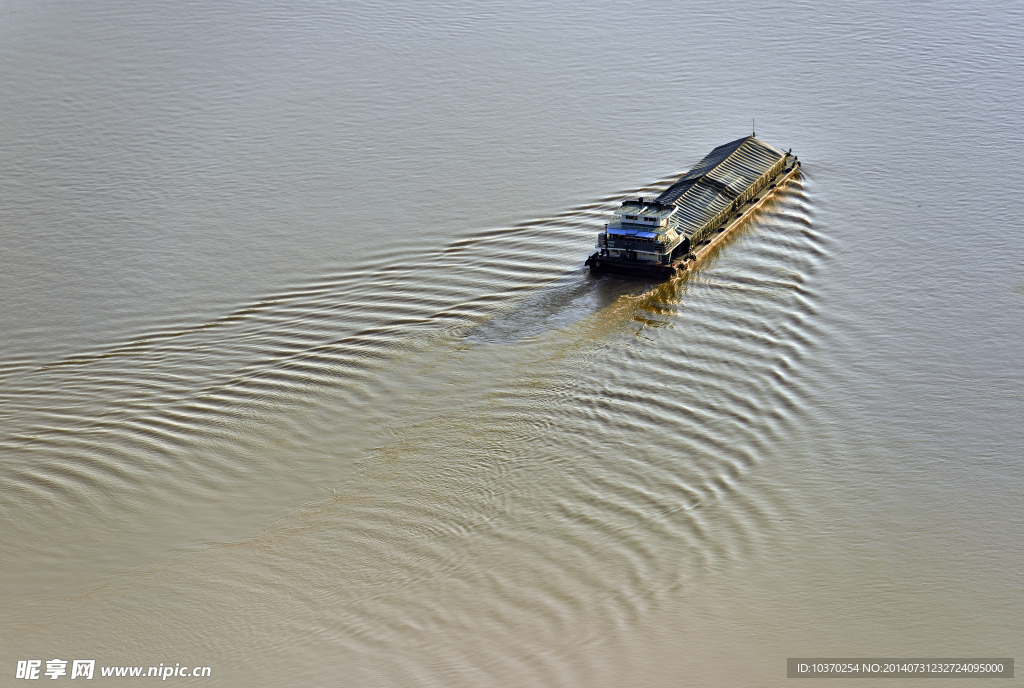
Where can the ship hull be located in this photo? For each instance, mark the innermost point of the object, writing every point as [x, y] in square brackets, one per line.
[599, 263]
[608, 264]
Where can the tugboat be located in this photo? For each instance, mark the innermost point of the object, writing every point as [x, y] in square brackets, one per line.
[660, 237]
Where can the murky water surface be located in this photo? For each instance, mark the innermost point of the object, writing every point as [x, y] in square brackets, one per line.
[302, 377]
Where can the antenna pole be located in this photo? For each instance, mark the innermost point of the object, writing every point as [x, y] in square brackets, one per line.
[753, 126]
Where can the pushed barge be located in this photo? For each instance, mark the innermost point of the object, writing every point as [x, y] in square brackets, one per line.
[659, 237]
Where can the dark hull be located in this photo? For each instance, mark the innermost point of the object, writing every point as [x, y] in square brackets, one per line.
[599, 263]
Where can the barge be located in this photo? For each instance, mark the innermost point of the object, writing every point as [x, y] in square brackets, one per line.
[662, 236]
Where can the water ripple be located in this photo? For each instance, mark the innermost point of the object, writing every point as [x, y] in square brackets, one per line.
[615, 459]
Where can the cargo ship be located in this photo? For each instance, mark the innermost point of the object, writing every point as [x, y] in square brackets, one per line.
[659, 237]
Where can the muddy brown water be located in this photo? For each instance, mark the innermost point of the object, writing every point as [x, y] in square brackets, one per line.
[302, 377]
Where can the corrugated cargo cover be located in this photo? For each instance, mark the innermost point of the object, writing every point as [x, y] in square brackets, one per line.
[724, 175]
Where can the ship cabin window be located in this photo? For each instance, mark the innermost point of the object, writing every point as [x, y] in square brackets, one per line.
[629, 217]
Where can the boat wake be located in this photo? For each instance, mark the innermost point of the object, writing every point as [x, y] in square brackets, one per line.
[529, 450]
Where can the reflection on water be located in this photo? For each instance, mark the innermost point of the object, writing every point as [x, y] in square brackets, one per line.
[303, 378]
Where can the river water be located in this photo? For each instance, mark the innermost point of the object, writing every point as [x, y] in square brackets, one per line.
[303, 379]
